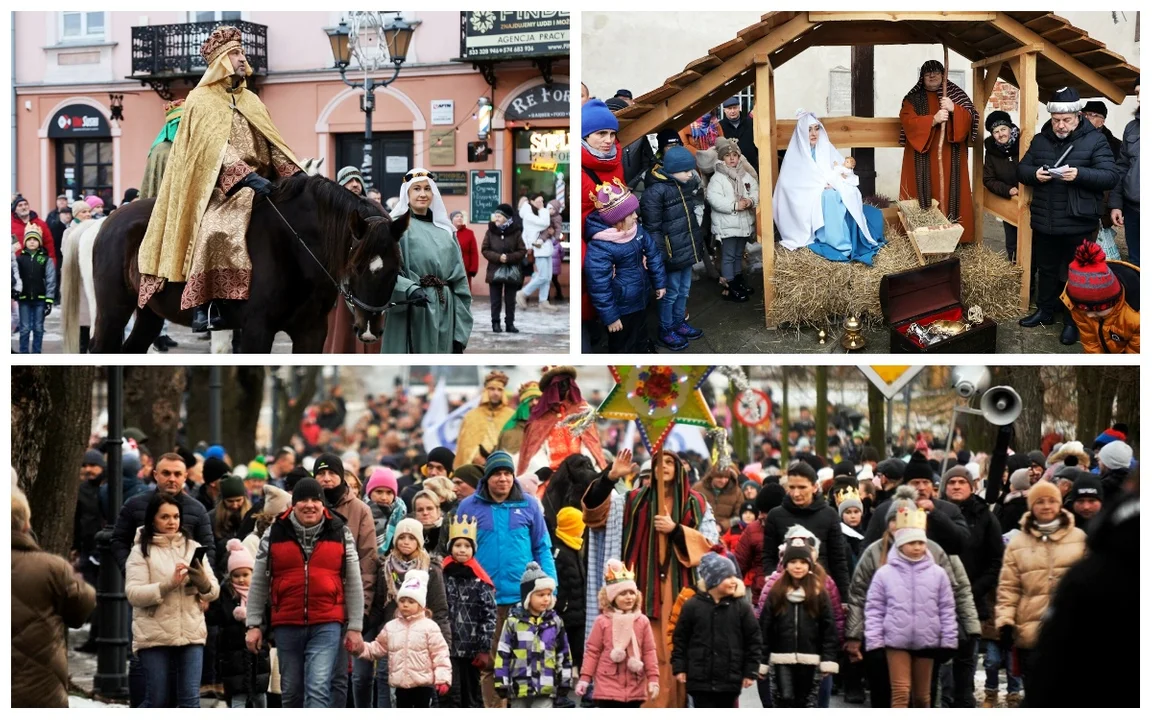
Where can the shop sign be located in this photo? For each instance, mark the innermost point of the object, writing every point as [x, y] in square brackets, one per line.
[443, 112]
[443, 150]
[485, 193]
[452, 182]
[395, 164]
[540, 103]
[78, 121]
[512, 35]
[543, 165]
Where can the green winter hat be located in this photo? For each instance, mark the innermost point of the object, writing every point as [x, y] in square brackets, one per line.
[232, 486]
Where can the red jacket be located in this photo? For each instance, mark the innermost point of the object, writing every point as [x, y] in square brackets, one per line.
[605, 170]
[749, 554]
[467, 240]
[306, 592]
[47, 242]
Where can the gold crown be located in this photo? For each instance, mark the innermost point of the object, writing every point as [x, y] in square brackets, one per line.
[617, 571]
[223, 39]
[529, 390]
[845, 493]
[911, 519]
[173, 109]
[461, 527]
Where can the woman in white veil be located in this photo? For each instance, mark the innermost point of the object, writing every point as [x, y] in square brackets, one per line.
[438, 315]
[817, 203]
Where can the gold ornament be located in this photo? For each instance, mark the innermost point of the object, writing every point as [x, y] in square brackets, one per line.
[915, 519]
[948, 328]
[823, 336]
[852, 339]
[461, 527]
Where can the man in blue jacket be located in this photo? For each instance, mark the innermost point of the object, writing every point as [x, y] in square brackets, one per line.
[510, 533]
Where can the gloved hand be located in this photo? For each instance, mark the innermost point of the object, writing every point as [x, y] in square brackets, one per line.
[653, 690]
[417, 297]
[582, 687]
[481, 661]
[198, 577]
[258, 183]
[48, 308]
[1007, 638]
[457, 347]
[442, 689]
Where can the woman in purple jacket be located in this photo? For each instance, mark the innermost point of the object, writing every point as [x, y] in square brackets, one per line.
[910, 611]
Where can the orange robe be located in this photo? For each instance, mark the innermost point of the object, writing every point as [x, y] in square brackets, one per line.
[924, 137]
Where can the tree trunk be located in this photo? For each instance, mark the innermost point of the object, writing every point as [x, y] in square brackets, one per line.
[877, 409]
[1087, 390]
[785, 451]
[1128, 403]
[53, 405]
[822, 410]
[241, 396]
[739, 435]
[290, 411]
[153, 396]
[245, 408]
[1026, 381]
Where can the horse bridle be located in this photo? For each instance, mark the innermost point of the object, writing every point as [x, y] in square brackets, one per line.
[341, 287]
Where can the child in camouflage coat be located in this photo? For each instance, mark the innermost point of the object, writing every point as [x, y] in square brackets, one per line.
[472, 608]
[533, 664]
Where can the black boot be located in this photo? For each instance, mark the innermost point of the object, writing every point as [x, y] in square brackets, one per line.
[1040, 317]
[746, 291]
[168, 342]
[159, 345]
[1070, 335]
[510, 327]
[496, 326]
[208, 317]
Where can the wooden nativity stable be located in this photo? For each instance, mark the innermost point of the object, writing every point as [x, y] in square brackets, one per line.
[1038, 52]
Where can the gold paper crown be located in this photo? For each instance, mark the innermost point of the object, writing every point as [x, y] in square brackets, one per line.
[529, 390]
[846, 493]
[461, 527]
[174, 109]
[907, 519]
[609, 194]
[497, 376]
[617, 571]
[223, 39]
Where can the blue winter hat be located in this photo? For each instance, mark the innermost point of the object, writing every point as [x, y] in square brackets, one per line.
[215, 451]
[498, 460]
[715, 569]
[595, 116]
[678, 159]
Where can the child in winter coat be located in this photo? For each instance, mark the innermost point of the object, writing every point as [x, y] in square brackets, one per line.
[387, 508]
[800, 637]
[1097, 297]
[533, 664]
[716, 646]
[243, 675]
[910, 611]
[418, 665]
[38, 287]
[621, 262]
[570, 603]
[851, 509]
[670, 219]
[472, 607]
[733, 194]
[621, 651]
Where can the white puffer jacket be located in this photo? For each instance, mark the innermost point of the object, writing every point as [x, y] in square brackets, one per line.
[417, 652]
[163, 615]
[534, 226]
[722, 196]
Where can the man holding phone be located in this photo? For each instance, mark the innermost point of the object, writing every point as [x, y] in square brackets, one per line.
[1069, 165]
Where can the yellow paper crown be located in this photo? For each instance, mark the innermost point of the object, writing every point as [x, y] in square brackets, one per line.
[845, 493]
[461, 527]
[616, 572]
[907, 519]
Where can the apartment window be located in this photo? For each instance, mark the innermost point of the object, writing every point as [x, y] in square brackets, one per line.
[81, 25]
[959, 78]
[215, 15]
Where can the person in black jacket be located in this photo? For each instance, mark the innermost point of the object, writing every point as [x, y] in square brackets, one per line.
[570, 568]
[1001, 153]
[805, 506]
[716, 645]
[981, 557]
[1066, 208]
[86, 522]
[503, 246]
[737, 125]
[244, 675]
[946, 526]
[1125, 198]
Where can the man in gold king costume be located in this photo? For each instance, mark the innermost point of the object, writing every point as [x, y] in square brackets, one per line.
[225, 150]
[482, 425]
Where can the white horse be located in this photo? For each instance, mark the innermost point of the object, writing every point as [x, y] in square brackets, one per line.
[78, 291]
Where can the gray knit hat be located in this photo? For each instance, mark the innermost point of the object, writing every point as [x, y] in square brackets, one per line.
[349, 173]
[1020, 480]
[851, 501]
[715, 569]
[532, 580]
[905, 497]
[958, 471]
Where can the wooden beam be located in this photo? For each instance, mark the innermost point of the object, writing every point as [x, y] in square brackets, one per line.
[980, 101]
[1003, 208]
[938, 16]
[990, 81]
[1025, 71]
[763, 132]
[863, 132]
[997, 59]
[1053, 54]
[691, 96]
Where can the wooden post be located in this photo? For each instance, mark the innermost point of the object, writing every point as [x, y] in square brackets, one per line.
[1024, 68]
[981, 103]
[864, 105]
[765, 131]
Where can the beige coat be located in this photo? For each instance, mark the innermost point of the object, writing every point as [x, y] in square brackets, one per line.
[1033, 566]
[163, 615]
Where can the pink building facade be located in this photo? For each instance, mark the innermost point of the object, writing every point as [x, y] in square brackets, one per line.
[69, 64]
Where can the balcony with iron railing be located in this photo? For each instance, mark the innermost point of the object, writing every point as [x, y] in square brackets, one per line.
[163, 54]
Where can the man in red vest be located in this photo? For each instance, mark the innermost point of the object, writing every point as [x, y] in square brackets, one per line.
[308, 570]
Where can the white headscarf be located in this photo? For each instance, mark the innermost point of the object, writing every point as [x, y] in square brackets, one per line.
[439, 212]
[797, 207]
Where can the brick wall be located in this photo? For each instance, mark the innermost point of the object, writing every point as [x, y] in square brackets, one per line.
[1005, 97]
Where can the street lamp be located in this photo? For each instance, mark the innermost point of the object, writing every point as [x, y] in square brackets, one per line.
[391, 43]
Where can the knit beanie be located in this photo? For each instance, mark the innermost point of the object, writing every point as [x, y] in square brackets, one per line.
[257, 470]
[330, 461]
[415, 587]
[409, 526]
[1020, 480]
[16, 201]
[348, 173]
[94, 457]
[532, 580]
[499, 460]
[382, 477]
[617, 579]
[614, 201]
[715, 569]
[570, 527]
[678, 159]
[1043, 489]
[797, 549]
[276, 501]
[799, 531]
[231, 487]
[911, 524]
[215, 451]
[31, 232]
[850, 501]
[904, 497]
[1065, 100]
[1091, 283]
[997, 118]
[442, 455]
[595, 116]
[238, 556]
[307, 489]
[506, 210]
[294, 476]
[1017, 462]
[214, 469]
[469, 475]
[529, 483]
[918, 468]
[770, 496]
[1115, 455]
[1086, 485]
[668, 136]
[958, 471]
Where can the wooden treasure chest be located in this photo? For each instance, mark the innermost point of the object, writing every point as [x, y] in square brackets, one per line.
[924, 314]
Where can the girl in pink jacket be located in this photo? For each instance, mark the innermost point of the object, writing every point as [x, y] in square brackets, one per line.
[418, 663]
[620, 655]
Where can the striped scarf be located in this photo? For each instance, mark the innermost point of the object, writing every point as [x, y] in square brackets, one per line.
[704, 132]
[918, 97]
[641, 547]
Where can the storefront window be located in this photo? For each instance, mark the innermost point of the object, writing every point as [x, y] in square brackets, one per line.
[84, 167]
[542, 165]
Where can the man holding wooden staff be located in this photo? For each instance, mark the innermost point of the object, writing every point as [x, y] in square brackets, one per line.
[935, 170]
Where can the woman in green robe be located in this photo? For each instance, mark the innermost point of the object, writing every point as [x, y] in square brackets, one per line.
[438, 315]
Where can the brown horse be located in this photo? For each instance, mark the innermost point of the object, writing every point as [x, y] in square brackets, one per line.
[309, 242]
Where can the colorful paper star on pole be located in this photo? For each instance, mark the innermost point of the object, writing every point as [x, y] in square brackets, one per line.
[657, 397]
